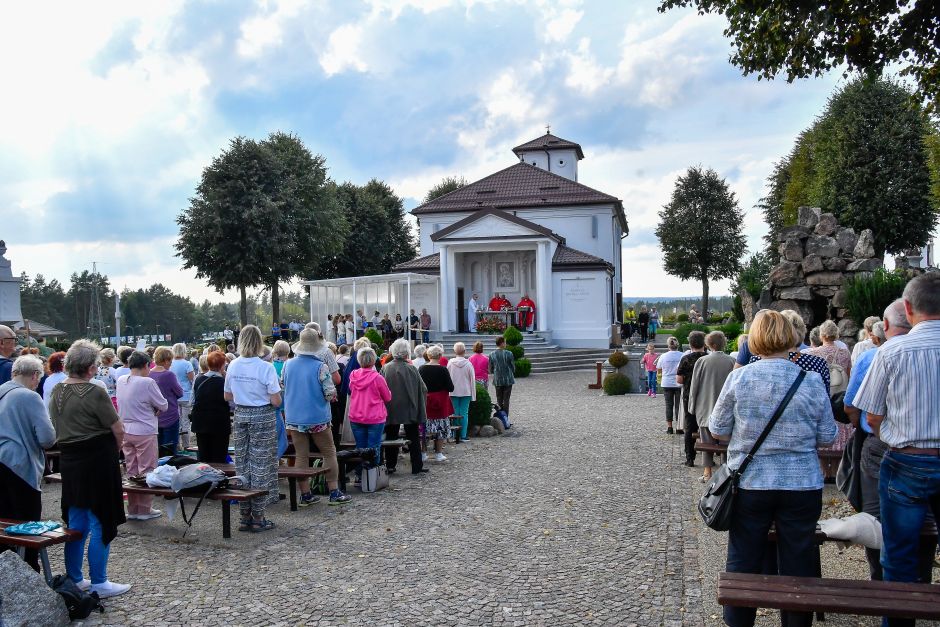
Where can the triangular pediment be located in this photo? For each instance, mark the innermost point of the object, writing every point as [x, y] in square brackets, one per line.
[492, 223]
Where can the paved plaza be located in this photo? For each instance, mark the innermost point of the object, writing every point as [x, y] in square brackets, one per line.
[583, 516]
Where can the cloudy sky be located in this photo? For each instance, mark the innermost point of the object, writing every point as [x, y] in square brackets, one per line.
[111, 110]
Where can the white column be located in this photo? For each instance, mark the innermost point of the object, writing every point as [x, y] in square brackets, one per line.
[543, 281]
[310, 290]
[446, 287]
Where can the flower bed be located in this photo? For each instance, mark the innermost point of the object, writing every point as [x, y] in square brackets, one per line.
[491, 326]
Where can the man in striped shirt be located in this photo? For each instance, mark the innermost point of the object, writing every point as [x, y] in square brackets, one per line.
[901, 394]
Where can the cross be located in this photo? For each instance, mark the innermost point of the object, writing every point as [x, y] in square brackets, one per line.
[548, 129]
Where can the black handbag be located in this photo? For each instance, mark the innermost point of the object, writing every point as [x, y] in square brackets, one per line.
[716, 507]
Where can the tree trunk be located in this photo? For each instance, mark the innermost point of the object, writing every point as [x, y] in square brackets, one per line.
[243, 306]
[275, 303]
[705, 299]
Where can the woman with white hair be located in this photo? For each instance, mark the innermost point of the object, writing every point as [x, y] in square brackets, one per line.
[407, 407]
[25, 432]
[419, 356]
[838, 359]
[438, 406]
[368, 394]
[107, 374]
[252, 385]
[185, 375]
[865, 338]
[465, 386]
[90, 434]
[668, 364]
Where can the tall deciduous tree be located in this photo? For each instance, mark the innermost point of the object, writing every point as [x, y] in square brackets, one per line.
[447, 185]
[803, 39]
[380, 236]
[700, 230]
[263, 213]
[868, 160]
[223, 231]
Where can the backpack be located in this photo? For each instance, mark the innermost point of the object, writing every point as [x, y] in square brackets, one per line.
[79, 603]
[196, 479]
[838, 380]
[318, 483]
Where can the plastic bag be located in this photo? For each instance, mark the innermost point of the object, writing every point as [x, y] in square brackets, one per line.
[161, 476]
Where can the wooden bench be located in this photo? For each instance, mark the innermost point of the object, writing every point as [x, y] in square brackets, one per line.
[838, 596]
[828, 460]
[37, 543]
[291, 473]
[225, 497]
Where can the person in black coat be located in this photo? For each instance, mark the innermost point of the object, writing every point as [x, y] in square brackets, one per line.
[643, 322]
[211, 413]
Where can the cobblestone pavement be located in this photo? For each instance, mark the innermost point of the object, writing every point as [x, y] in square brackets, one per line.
[583, 516]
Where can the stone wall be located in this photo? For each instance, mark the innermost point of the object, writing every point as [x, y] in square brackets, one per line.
[817, 256]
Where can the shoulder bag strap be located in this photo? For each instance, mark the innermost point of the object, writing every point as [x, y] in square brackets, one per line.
[773, 420]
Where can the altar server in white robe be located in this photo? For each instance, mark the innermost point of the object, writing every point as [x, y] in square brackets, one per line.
[472, 308]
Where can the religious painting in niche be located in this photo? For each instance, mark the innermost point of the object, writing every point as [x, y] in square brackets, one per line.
[506, 275]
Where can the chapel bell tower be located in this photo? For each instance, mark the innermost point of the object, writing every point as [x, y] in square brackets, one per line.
[554, 154]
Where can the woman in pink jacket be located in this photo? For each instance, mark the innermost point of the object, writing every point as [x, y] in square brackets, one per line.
[465, 386]
[368, 393]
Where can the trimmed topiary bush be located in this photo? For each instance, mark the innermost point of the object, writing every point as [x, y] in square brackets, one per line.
[513, 336]
[523, 367]
[616, 384]
[374, 336]
[618, 359]
[731, 330]
[517, 351]
[683, 317]
[682, 331]
[481, 410]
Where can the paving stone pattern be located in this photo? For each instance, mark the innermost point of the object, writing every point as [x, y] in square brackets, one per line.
[583, 516]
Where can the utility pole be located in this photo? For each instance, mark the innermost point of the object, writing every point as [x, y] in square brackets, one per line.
[95, 322]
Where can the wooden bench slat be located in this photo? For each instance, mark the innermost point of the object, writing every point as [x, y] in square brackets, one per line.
[809, 594]
[56, 536]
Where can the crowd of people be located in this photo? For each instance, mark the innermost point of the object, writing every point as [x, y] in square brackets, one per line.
[888, 390]
[102, 409]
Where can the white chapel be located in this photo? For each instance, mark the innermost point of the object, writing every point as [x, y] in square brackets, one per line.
[529, 230]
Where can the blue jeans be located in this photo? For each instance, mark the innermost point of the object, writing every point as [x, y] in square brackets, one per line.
[908, 485]
[168, 438]
[651, 380]
[462, 409]
[86, 522]
[425, 337]
[369, 436]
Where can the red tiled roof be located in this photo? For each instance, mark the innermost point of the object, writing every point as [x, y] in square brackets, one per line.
[519, 185]
[548, 141]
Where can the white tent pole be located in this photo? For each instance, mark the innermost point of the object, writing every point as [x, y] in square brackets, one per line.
[408, 314]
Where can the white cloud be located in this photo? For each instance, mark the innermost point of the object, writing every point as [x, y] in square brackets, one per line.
[262, 32]
[585, 74]
[560, 23]
[343, 51]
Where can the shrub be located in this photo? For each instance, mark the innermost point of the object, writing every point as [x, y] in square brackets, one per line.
[513, 336]
[374, 336]
[731, 330]
[682, 331]
[732, 346]
[523, 367]
[616, 384]
[491, 326]
[481, 410]
[517, 351]
[715, 319]
[737, 309]
[869, 294]
[683, 317]
[671, 319]
[618, 359]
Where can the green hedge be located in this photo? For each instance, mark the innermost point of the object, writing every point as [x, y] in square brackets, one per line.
[513, 336]
[517, 351]
[682, 331]
[616, 384]
[481, 409]
[618, 359]
[523, 367]
[869, 294]
[374, 336]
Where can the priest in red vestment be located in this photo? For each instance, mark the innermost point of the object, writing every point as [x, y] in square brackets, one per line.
[526, 318]
[497, 302]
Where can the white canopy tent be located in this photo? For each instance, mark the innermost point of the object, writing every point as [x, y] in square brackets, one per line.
[393, 294]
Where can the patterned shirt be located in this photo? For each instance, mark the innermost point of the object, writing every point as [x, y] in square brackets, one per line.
[787, 459]
[903, 385]
[809, 363]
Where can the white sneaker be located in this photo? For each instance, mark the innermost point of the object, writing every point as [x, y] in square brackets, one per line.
[154, 513]
[424, 457]
[84, 584]
[110, 589]
[440, 457]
